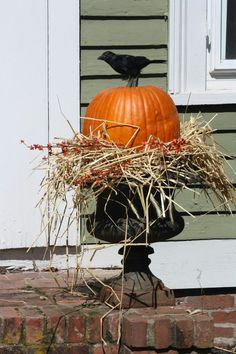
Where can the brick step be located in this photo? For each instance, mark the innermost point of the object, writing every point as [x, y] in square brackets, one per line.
[49, 319]
[88, 325]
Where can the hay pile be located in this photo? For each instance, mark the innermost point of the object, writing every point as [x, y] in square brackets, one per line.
[81, 168]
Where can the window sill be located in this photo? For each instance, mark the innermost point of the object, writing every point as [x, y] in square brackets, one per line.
[204, 98]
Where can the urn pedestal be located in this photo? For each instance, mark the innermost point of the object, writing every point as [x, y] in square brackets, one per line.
[120, 218]
[137, 286]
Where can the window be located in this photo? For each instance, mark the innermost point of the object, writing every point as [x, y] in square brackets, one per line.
[221, 45]
[202, 51]
[228, 38]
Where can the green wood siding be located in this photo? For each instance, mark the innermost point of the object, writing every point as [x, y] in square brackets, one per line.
[124, 7]
[225, 115]
[90, 86]
[92, 67]
[208, 227]
[211, 223]
[126, 26]
[141, 28]
[123, 32]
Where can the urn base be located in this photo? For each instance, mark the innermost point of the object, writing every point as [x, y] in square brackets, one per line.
[136, 286]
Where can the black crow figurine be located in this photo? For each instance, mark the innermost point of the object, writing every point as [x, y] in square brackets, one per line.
[129, 66]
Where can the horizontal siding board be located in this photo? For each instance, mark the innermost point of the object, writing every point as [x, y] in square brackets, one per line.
[91, 66]
[123, 7]
[225, 116]
[123, 32]
[226, 143]
[197, 201]
[205, 226]
[199, 228]
[230, 168]
[223, 121]
[225, 126]
[89, 88]
[217, 124]
[208, 227]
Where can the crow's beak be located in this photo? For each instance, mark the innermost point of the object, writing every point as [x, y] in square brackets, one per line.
[100, 57]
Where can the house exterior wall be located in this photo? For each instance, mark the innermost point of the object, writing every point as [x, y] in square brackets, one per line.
[124, 27]
[141, 28]
[127, 26]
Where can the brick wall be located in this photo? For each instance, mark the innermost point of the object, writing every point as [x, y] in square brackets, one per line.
[197, 324]
[222, 309]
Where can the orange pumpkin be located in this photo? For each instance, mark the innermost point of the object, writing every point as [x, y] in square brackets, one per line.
[129, 115]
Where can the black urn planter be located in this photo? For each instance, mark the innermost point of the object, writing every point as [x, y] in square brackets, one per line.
[121, 217]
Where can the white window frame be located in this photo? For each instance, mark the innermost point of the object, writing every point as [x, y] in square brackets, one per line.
[217, 31]
[196, 73]
[221, 73]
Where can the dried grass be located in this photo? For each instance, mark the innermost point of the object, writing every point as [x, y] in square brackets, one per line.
[86, 165]
[78, 170]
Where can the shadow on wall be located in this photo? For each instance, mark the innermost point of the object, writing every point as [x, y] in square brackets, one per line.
[36, 253]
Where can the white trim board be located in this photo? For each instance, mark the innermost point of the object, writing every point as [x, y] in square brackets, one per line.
[186, 264]
[181, 265]
[39, 62]
[201, 98]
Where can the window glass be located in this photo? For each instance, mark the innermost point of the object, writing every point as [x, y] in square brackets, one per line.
[230, 50]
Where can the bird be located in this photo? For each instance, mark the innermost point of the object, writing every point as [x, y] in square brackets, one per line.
[129, 66]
